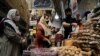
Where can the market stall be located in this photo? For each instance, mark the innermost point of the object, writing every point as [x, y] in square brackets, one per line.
[83, 43]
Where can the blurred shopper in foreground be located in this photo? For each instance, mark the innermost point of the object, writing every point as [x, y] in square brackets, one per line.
[11, 39]
[42, 33]
[68, 22]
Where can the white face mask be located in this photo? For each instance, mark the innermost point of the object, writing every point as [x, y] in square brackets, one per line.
[17, 18]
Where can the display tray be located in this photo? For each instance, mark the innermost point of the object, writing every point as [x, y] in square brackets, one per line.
[26, 53]
[40, 52]
[52, 52]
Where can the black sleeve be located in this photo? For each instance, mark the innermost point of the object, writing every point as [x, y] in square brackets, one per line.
[64, 20]
[74, 20]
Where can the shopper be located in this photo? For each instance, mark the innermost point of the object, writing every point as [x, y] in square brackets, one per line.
[58, 39]
[78, 19]
[84, 19]
[52, 37]
[78, 27]
[11, 39]
[68, 22]
[42, 33]
[79, 22]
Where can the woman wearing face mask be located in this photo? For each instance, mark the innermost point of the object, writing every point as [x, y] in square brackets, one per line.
[42, 32]
[11, 39]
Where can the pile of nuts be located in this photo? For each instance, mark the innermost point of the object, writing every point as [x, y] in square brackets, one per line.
[72, 51]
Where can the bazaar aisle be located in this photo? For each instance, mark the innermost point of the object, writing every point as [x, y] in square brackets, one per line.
[50, 28]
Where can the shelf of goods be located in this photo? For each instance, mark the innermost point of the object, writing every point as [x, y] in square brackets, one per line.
[89, 39]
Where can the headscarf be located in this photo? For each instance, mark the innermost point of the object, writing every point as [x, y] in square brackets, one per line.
[12, 16]
[11, 13]
[43, 23]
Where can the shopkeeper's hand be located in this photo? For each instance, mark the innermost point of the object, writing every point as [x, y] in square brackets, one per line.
[46, 39]
[24, 41]
[74, 24]
[66, 24]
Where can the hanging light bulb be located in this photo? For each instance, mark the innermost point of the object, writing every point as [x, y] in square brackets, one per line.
[98, 4]
[56, 16]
